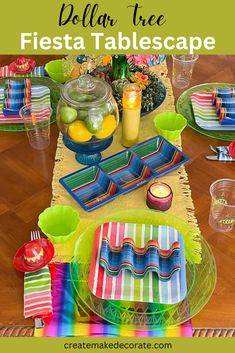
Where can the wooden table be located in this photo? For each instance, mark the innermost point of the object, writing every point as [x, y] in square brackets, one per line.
[25, 181]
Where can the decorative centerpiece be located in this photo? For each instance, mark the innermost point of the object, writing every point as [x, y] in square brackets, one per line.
[120, 70]
[87, 116]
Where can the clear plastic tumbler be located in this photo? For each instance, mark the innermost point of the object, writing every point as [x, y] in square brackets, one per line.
[37, 124]
[182, 70]
[222, 211]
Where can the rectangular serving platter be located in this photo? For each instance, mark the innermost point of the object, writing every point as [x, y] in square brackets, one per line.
[123, 172]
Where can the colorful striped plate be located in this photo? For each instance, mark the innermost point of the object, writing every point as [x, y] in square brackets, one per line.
[150, 288]
[123, 172]
[205, 113]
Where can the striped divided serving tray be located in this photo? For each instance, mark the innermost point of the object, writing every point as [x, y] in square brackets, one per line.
[123, 172]
[150, 288]
[39, 94]
[205, 112]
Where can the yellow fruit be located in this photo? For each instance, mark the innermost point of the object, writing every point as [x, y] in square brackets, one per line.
[108, 126]
[78, 132]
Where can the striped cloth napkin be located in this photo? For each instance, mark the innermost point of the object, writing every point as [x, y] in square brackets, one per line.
[227, 116]
[16, 94]
[37, 293]
[223, 154]
[139, 261]
[38, 71]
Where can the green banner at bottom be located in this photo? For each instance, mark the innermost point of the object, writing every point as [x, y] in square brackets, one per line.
[104, 344]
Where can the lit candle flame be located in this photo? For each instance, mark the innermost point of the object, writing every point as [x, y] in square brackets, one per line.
[160, 190]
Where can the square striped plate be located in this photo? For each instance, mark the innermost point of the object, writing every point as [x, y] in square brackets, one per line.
[124, 286]
[205, 114]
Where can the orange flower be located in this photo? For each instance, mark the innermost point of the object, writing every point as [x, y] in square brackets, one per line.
[141, 79]
[76, 72]
[106, 60]
[141, 76]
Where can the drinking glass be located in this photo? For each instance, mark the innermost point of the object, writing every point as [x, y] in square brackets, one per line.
[182, 70]
[36, 119]
[222, 211]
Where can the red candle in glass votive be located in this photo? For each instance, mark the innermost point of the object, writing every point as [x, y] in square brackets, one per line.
[159, 196]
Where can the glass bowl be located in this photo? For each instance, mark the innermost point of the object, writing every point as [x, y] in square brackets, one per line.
[87, 116]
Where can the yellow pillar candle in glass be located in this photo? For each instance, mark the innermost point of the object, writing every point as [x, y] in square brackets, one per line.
[131, 102]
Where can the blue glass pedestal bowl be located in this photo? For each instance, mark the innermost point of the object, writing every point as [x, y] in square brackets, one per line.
[89, 152]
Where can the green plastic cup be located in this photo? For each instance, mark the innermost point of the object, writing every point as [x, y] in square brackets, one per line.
[56, 71]
[59, 223]
[170, 125]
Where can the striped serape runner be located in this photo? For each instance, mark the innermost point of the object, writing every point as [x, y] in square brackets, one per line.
[38, 71]
[37, 293]
[71, 319]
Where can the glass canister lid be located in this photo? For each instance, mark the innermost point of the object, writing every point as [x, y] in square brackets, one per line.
[86, 91]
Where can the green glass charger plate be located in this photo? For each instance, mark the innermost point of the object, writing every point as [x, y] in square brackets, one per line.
[54, 97]
[201, 278]
[184, 107]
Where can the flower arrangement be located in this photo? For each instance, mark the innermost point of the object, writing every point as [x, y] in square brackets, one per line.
[145, 60]
[82, 64]
[119, 70]
[141, 79]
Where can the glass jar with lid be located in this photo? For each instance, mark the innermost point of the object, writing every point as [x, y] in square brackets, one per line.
[87, 116]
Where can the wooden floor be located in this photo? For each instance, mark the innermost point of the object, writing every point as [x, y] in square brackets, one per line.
[25, 190]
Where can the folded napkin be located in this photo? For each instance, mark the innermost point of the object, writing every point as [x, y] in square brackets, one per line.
[222, 93]
[222, 154]
[140, 261]
[225, 103]
[38, 71]
[227, 116]
[37, 293]
[16, 94]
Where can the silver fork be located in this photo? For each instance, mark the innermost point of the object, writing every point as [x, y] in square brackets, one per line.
[35, 234]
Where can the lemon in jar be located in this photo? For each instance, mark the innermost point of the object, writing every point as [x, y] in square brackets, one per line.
[78, 132]
[109, 124]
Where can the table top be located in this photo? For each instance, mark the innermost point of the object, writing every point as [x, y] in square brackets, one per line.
[26, 177]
